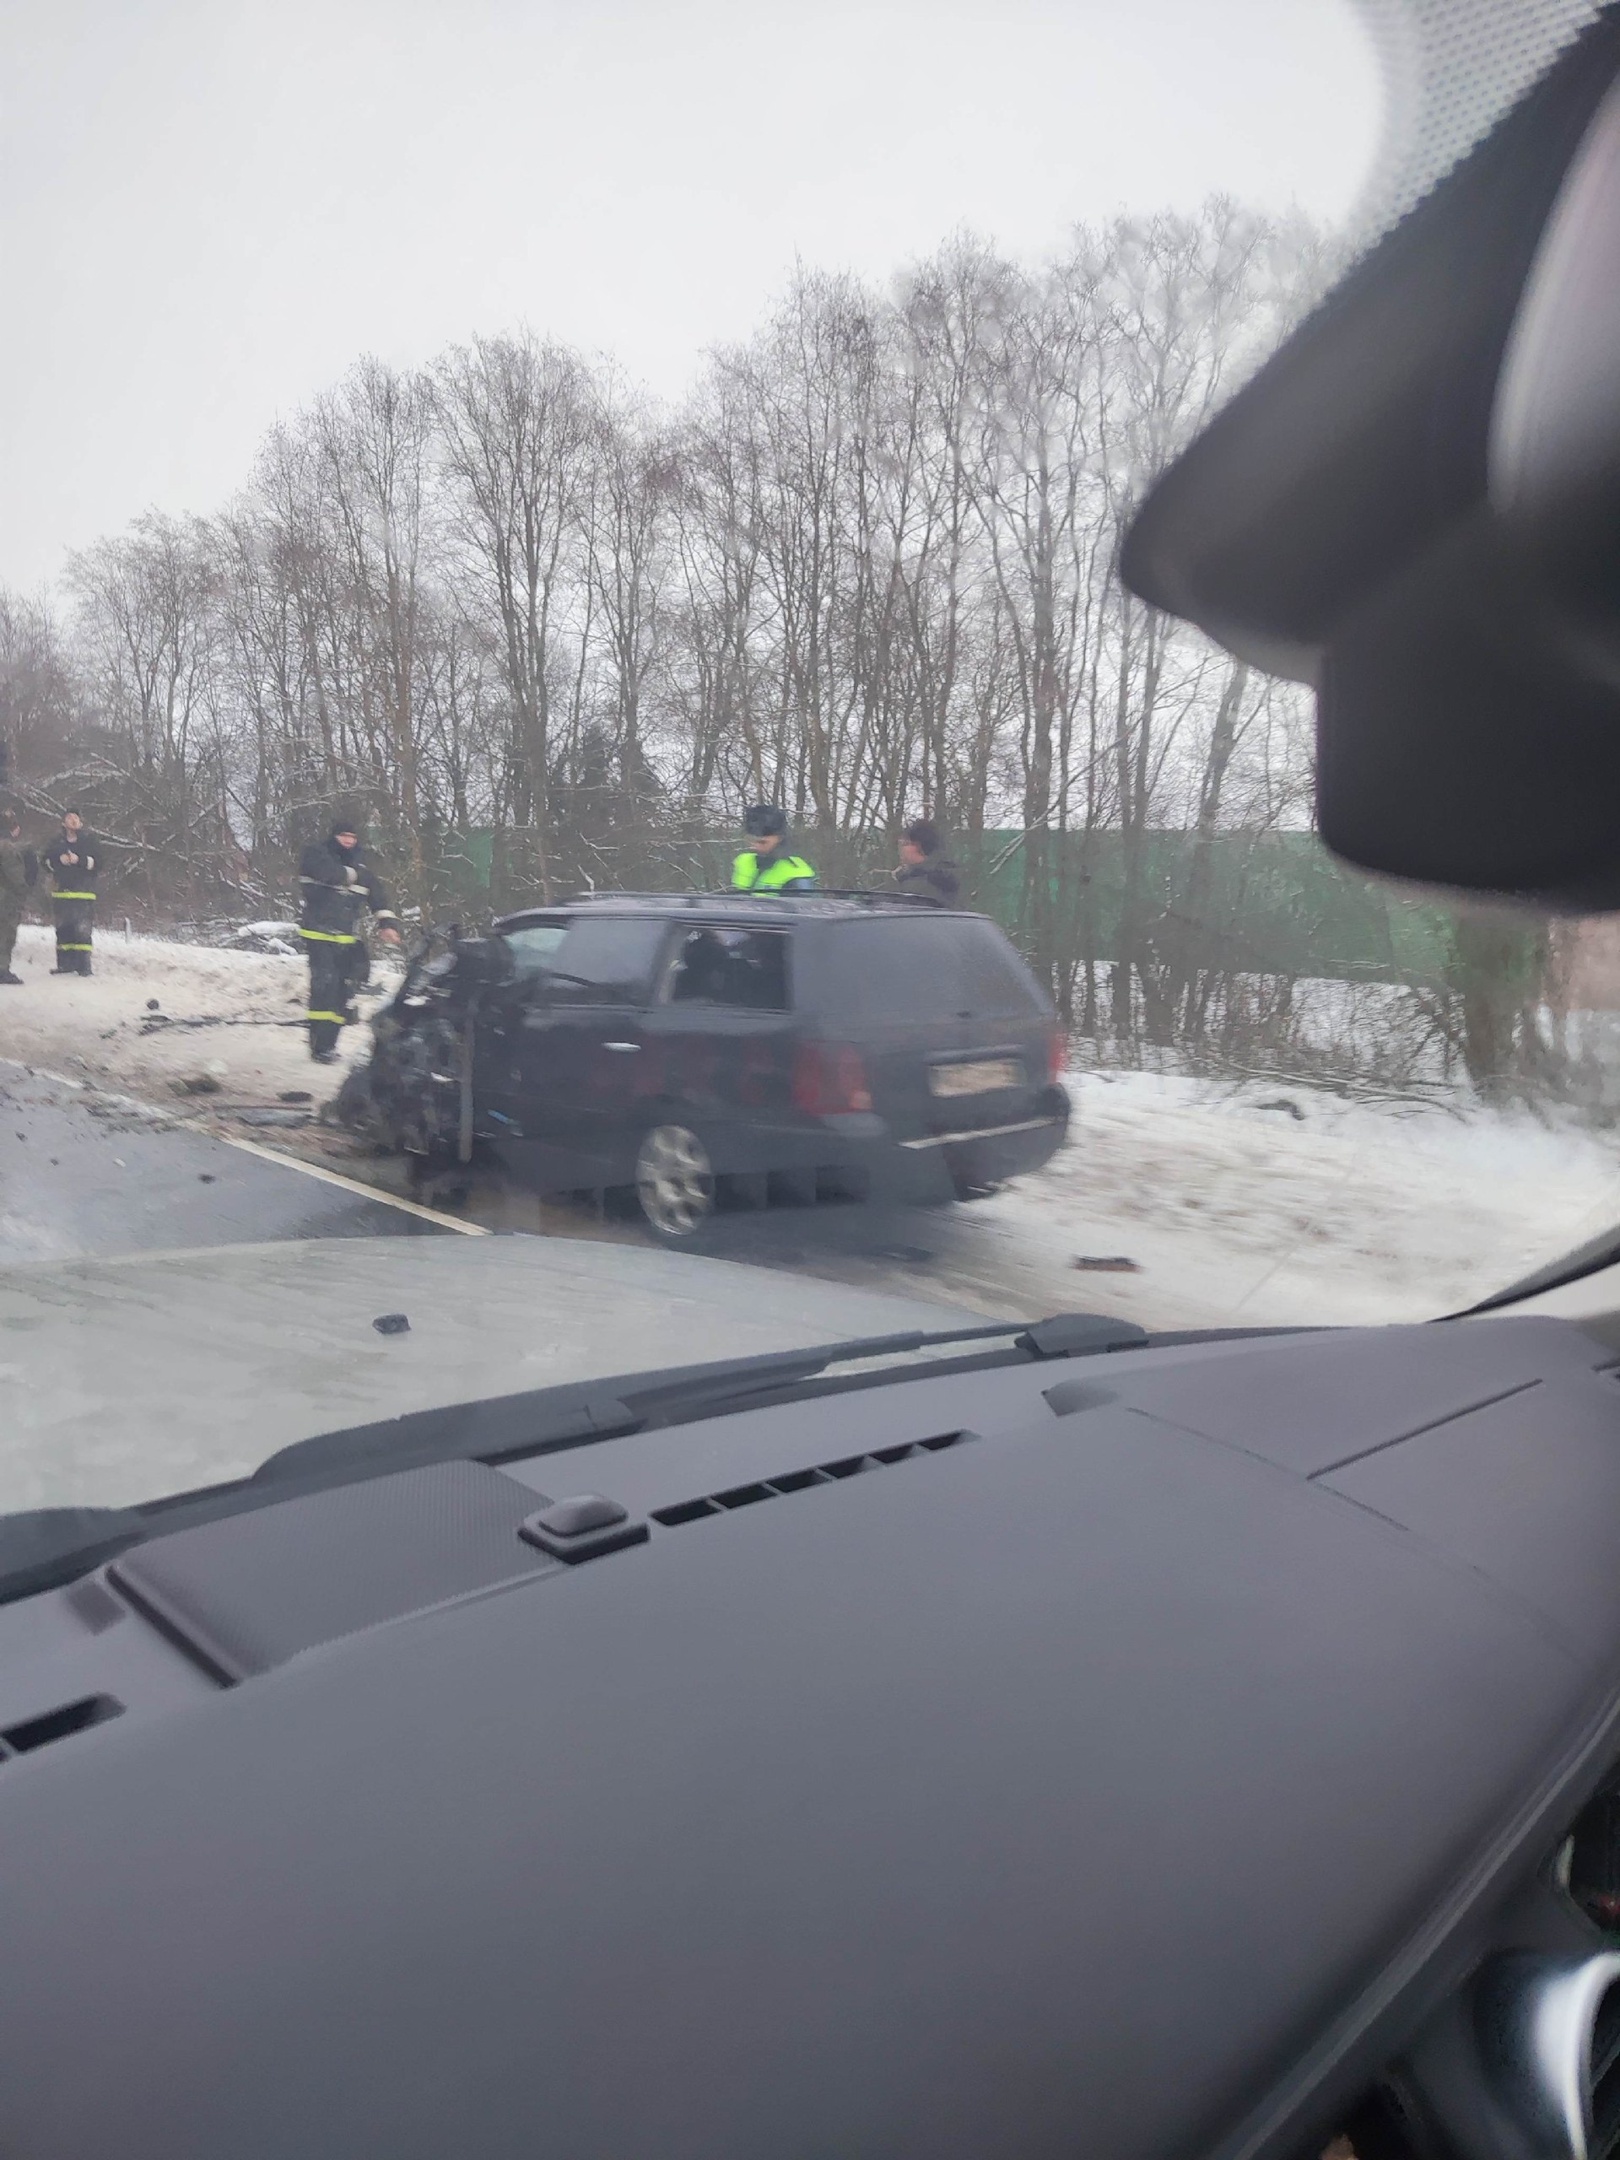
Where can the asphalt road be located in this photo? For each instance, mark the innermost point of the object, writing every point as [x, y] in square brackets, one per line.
[84, 1174]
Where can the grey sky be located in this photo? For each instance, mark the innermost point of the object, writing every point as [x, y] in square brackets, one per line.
[208, 208]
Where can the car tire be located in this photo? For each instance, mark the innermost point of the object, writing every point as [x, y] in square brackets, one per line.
[675, 1185]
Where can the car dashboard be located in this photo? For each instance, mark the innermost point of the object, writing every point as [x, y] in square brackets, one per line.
[1185, 1749]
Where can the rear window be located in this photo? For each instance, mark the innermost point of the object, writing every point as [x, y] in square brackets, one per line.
[926, 968]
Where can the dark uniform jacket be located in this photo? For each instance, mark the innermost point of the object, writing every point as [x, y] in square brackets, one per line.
[75, 880]
[19, 867]
[339, 886]
[936, 877]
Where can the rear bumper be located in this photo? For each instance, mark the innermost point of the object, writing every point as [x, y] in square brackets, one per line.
[929, 1165]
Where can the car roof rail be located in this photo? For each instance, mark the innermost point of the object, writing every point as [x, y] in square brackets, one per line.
[687, 899]
[875, 898]
[865, 895]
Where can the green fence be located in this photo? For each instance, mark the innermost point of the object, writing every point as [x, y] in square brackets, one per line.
[1262, 903]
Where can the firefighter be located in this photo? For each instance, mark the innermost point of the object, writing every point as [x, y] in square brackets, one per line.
[71, 861]
[339, 888]
[767, 863]
[19, 869]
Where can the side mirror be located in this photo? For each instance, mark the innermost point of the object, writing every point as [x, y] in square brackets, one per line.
[1415, 508]
[482, 962]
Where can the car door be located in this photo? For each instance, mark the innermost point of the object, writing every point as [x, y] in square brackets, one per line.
[718, 1038]
[499, 1031]
[580, 1045]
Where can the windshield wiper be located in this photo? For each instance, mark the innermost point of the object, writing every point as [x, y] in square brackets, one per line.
[1588, 1259]
[502, 1427]
[42, 1548]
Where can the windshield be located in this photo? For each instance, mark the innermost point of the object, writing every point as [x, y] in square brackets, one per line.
[653, 478]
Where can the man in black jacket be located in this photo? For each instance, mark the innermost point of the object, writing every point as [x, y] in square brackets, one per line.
[71, 861]
[19, 867]
[924, 866]
[339, 888]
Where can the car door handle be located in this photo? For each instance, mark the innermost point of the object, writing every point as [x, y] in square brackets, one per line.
[621, 1046]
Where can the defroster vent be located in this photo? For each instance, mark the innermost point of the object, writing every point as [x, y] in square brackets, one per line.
[796, 1481]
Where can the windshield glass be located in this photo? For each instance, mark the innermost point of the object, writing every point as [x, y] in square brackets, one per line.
[468, 463]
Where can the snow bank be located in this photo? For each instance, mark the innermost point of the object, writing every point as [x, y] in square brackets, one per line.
[230, 1018]
[1352, 1212]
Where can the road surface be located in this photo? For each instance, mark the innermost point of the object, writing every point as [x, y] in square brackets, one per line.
[85, 1174]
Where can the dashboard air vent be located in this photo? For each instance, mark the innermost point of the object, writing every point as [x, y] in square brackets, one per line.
[794, 1481]
[73, 1717]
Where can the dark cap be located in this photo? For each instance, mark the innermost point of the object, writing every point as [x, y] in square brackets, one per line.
[761, 818]
[925, 834]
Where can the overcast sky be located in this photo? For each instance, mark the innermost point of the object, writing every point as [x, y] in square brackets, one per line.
[209, 208]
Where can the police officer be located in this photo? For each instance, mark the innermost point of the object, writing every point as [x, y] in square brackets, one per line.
[339, 887]
[19, 868]
[767, 863]
[71, 861]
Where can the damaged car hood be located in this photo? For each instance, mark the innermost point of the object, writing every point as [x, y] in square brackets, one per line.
[125, 1379]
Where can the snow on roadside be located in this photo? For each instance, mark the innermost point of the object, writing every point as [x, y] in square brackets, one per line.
[254, 1046]
[1237, 1214]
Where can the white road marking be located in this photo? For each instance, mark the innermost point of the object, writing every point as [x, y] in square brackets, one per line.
[253, 1147]
[353, 1185]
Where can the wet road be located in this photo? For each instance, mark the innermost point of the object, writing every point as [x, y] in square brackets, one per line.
[84, 1174]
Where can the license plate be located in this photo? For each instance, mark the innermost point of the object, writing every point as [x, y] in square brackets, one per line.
[983, 1077]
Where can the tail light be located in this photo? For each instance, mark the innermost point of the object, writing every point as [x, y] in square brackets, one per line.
[829, 1080]
[1057, 1054]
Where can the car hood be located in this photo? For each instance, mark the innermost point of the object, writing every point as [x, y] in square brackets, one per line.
[121, 1380]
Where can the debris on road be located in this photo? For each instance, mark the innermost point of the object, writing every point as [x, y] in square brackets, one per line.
[287, 1120]
[1107, 1264]
[392, 1323]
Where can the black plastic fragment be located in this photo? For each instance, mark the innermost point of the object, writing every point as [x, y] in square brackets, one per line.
[392, 1323]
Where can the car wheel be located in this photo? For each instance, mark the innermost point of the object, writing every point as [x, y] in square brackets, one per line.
[675, 1184]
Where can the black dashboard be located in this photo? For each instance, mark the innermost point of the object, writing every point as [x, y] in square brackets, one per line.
[1121, 1754]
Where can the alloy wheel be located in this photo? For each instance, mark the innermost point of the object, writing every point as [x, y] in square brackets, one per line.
[674, 1181]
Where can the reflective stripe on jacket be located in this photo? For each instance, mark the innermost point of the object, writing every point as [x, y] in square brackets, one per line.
[749, 874]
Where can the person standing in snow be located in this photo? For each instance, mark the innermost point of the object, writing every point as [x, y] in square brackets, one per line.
[340, 887]
[19, 868]
[925, 868]
[71, 861]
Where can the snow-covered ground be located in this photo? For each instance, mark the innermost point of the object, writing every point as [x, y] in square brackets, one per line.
[1232, 1212]
[253, 1047]
[1350, 1211]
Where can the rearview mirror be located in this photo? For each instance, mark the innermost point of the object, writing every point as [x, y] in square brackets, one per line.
[1415, 508]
